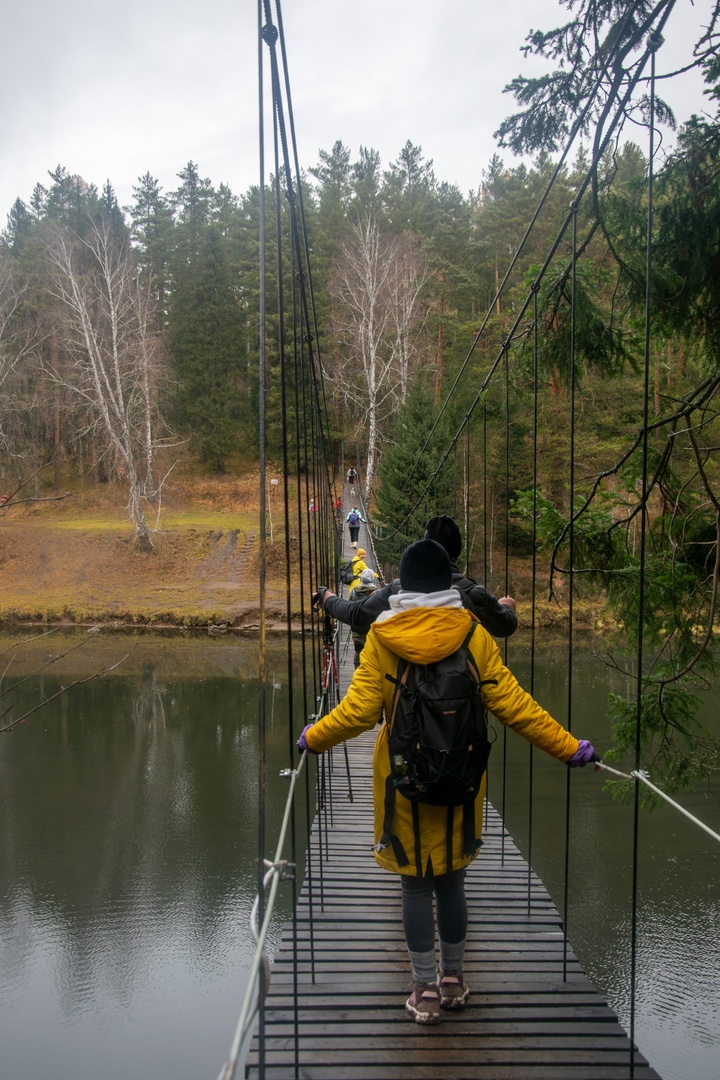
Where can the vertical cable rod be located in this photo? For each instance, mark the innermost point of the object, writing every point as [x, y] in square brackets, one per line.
[506, 428]
[655, 42]
[533, 591]
[571, 563]
[262, 653]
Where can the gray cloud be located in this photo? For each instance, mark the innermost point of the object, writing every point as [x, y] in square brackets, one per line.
[115, 91]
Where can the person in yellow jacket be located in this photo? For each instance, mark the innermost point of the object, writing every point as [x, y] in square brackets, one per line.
[427, 622]
[358, 564]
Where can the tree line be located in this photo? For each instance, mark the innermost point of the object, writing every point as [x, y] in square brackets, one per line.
[124, 329]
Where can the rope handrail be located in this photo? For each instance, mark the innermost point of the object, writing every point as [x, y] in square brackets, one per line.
[642, 776]
[275, 873]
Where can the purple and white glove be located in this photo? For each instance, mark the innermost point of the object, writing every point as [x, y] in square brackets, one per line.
[584, 753]
[302, 741]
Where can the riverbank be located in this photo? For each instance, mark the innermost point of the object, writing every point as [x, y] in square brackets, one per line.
[74, 562]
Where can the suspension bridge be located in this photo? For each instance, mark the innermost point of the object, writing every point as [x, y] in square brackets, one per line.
[333, 1007]
[339, 977]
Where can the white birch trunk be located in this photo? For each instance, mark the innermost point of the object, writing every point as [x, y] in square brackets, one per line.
[107, 336]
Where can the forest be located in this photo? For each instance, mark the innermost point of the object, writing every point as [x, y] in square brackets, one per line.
[130, 336]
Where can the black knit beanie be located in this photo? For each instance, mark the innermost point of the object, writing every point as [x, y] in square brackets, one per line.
[425, 567]
[445, 532]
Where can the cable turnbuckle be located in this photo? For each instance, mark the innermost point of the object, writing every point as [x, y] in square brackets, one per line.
[269, 34]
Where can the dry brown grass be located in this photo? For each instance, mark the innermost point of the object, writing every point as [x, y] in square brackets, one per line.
[75, 561]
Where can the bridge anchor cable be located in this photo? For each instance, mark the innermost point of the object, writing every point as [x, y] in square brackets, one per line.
[642, 776]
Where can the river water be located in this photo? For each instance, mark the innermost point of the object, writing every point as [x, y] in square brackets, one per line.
[129, 840]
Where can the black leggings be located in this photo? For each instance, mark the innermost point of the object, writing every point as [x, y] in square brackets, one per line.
[417, 909]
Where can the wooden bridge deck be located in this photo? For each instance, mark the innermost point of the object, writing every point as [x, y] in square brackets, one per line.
[335, 1007]
[522, 1021]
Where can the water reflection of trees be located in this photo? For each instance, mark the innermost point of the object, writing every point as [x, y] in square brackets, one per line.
[131, 822]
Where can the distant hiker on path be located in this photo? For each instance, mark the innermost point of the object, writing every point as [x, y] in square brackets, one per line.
[354, 519]
[351, 478]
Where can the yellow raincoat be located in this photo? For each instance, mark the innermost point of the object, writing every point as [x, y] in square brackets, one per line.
[423, 635]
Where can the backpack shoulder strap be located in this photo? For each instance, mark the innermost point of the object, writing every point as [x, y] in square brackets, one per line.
[400, 681]
[472, 666]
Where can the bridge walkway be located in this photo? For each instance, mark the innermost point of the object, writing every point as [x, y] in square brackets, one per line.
[523, 1020]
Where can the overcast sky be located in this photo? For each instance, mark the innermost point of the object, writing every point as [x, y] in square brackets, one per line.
[115, 90]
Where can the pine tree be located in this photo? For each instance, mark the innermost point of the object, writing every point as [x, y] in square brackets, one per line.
[404, 500]
[208, 342]
[151, 231]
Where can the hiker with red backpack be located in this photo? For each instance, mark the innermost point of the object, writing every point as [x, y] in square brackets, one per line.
[427, 635]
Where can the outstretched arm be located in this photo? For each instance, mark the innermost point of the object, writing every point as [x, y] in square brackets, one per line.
[359, 614]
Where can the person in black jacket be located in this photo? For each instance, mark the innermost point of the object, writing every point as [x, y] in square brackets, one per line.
[497, 616]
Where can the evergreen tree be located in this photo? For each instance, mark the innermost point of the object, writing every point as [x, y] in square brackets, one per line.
[407, 187]
[366, 179]
[19, 227]
[151, 231]
[208, 342]
[403, 499]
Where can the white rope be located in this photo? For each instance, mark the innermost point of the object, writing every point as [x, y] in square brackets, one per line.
[274, 875]
[639, 774]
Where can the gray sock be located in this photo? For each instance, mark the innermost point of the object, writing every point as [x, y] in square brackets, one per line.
[423, 966]
[451, 957]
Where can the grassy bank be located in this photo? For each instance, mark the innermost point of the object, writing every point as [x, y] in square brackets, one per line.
[74, 561]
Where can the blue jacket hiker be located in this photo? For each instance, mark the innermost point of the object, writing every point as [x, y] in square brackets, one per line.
[354, 520]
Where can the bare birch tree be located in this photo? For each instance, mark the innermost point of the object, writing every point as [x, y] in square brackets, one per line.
[376, 290]
[114, 354]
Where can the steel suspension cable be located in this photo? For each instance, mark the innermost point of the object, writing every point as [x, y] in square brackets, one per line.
[262, 657]
[506, 389]
[317, 535]
[282, 351]
[322, 401]
[466, 509]
[656, 42]
[570, 579]
[485, 496]
[533, 590]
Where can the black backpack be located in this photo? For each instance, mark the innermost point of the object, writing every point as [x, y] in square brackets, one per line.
[347, 573]
[437, 738]
[437, 731]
